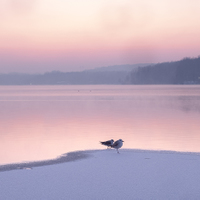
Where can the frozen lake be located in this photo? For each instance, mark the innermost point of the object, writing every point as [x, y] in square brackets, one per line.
[43, 122]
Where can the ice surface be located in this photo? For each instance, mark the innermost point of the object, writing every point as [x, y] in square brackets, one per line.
[104, 174]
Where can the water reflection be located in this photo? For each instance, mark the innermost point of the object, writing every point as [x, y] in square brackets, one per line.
[42, 122]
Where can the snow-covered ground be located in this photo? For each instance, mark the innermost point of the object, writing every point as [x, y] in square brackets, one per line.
[104, 174]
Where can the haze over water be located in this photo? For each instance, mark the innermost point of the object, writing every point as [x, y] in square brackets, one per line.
[43, 122]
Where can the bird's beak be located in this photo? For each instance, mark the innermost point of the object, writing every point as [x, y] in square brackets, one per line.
[122, 141]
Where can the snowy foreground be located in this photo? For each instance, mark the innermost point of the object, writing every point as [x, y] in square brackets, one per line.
[104, 174]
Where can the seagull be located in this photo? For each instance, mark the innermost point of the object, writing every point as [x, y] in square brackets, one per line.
[118, 144]
[108, 143]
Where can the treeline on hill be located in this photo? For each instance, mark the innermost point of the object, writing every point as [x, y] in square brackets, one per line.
[64, 78]
[186, 71]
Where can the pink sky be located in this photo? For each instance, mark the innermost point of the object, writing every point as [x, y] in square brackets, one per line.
[46, 35]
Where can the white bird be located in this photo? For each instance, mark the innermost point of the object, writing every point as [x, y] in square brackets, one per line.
[108, 143]
[118, 144]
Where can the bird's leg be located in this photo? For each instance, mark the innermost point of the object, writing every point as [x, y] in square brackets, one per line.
[117, 151]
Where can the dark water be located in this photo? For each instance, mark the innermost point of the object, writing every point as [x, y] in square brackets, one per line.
[43, 122]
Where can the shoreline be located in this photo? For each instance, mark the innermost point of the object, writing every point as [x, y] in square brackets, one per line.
[78, 155]
[68, 157]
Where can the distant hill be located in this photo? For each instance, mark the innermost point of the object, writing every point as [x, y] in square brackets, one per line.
[118, 74]
[115, 68]
[64, 78]
[186, 71]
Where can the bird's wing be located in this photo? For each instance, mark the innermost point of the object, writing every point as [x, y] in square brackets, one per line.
[106, 143]
[115, 144]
